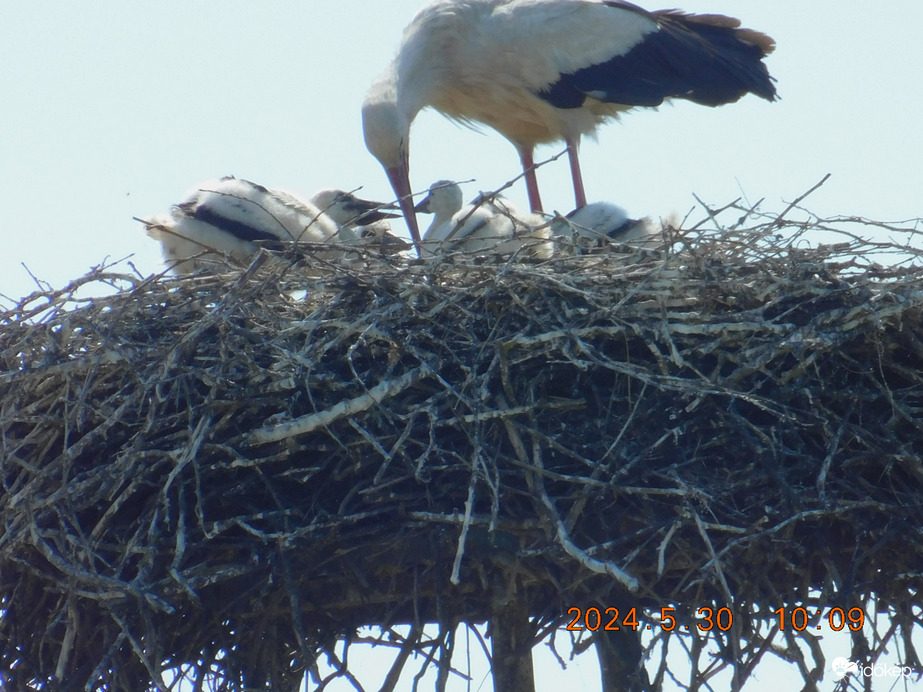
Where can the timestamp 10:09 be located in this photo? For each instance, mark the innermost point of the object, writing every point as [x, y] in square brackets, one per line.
[799, 619]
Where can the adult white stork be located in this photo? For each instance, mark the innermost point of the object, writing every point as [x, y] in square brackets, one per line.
[547, 70]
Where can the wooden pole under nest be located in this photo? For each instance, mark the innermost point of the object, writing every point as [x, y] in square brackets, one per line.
[511, 639]
[621, 662]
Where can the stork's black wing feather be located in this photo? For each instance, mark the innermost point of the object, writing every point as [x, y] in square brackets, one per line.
[707, 59]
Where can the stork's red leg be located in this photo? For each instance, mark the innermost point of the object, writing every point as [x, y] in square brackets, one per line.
[528, 170]
[579, 192]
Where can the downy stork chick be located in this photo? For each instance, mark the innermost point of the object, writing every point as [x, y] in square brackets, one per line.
[485, 225]
[225, 218]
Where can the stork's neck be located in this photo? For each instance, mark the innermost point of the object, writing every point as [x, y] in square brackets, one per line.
[423, 66]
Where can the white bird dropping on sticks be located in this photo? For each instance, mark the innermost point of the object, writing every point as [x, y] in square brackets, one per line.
[547, 70]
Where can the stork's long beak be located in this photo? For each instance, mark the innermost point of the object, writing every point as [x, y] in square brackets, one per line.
[400, 183]
[423, 206]
[368, 212]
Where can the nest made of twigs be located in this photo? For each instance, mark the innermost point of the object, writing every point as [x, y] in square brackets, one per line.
[232, 472]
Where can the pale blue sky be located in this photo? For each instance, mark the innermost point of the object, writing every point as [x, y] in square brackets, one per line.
[111, 109]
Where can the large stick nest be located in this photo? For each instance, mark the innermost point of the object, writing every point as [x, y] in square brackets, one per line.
[223, 474]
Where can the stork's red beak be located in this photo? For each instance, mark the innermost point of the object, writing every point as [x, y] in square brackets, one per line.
[400, 182]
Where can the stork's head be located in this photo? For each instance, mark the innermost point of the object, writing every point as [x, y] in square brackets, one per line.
[386, 126]
[444, 199]
[347, 209]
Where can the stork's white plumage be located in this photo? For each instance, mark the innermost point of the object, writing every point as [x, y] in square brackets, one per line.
[456, 226]
[443, 201]
[223, 218]
[597, 223]
[486, 224]
[547, 70]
